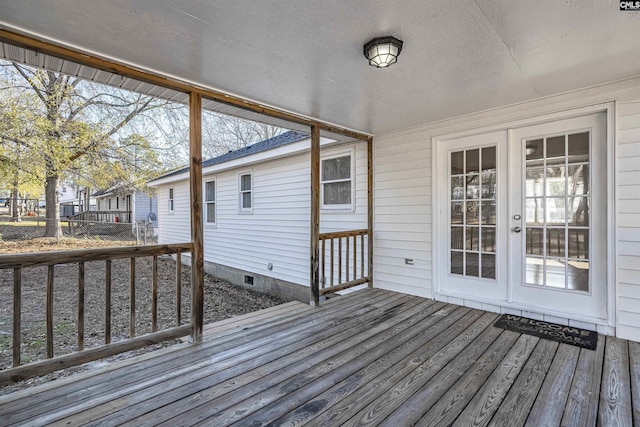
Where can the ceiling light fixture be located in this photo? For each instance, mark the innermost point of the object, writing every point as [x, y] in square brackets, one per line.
[383, 51]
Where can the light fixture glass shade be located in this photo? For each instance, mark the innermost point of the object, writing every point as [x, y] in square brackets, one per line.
[383, 51]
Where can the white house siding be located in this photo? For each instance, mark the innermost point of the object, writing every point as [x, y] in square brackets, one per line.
[628, 218]
[277, 231]
[142, 205]
[403, 198]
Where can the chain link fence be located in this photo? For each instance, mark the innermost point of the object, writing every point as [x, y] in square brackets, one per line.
[30, 228]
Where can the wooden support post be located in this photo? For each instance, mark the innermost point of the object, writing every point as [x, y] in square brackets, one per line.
[323, 266]
[195, 180]
[370, 209]
[80, 306]
[132, 298]
[154, 295]
[17, 314]
[178, 289]
[107, 302]
[50, 278]
[315, 213]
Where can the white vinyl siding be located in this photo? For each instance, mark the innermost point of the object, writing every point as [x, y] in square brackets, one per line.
[628, 219]
[278, 230]
[403, 204]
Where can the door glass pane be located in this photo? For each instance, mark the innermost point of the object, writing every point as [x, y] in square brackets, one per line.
[555, 150]
[457, 187]
[579, 147]
[488, 266]
[534, 150]
[557, 203]
[472, 265]
[535, 241]
[457, 214]
[534, 271]
[457, 163]
[473, 161]
[473, 178]
[457, 262]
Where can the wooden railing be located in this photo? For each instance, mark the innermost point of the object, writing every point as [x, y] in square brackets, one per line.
[343, 260]
[19, 262]
[102, 216]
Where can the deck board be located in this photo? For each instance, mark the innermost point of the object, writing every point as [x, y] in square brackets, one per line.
[372, 357]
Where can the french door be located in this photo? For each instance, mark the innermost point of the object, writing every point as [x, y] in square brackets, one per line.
[558, 216]
[522, 217]
[474, 192]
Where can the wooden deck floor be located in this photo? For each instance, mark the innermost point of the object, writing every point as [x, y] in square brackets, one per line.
[370, 358]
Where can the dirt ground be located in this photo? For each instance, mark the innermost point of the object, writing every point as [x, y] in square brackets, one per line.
[222, 300]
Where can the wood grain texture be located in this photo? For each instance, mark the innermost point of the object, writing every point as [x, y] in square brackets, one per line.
[372, 357]
[36, 259]
[552, 398]
[17, 315]
[487, 401]
[107, 301]
[615, 396]
[197, 231]
[49, 314]
[178, 289]
[80, 324]
[314, 221]
[516, 405]
[90, 60]
[582, 403]
[154, 368]
[634, 364]
[454, 400]
[132, 297]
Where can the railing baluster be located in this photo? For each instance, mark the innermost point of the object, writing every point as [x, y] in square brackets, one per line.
[362, 255]
[17, 310]
[80, 306]
[107, 302]
[50, 278]
[339, 259]
[355, 257]
[347, 260]
[154, 295]
[178, 288]
[132, 298]
[331, 264]
[322, 263]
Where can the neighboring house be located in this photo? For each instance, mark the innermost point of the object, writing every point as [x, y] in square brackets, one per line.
[116, 205]
[71, 200]
[257, 209]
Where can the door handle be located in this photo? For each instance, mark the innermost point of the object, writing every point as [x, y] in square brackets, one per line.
[516, 229]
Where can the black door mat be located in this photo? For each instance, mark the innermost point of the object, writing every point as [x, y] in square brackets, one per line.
[551, 331]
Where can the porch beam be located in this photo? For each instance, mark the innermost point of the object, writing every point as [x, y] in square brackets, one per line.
[90, 60]
[315, 215]
[370, 209]
[195, 181]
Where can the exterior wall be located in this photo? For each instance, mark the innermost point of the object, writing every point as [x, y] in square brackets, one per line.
[142, 205]
[277, 231]
[403, 204]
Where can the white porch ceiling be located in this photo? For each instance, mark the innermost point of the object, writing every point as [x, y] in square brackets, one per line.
[459, 56]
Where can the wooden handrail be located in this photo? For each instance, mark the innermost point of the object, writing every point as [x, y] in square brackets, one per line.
[86, 255]
[348, 233]
[80, 257]
[347, 255]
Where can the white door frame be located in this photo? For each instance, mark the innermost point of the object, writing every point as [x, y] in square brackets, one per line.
[439, 264]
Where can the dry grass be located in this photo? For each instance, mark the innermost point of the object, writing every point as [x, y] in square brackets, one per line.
[47, 244]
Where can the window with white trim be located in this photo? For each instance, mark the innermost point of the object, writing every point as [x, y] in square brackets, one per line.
[336, 182]
[246, 192]
[210, 202]
[170, 202]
